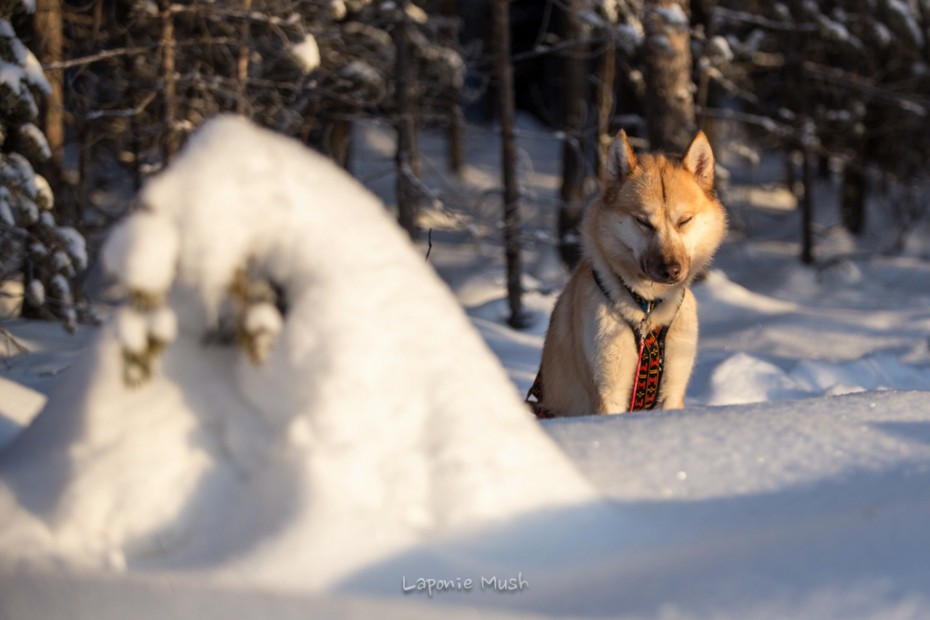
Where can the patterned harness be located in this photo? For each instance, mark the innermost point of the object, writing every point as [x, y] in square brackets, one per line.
[649, 365]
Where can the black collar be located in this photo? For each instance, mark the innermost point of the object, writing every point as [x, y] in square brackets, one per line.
[646, 305]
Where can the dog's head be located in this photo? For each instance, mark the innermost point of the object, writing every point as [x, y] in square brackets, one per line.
[658, 222]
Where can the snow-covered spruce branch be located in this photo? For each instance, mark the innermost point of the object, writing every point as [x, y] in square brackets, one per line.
[122, 112]
[765, 122]
[104, 55]
[742, 17]
[142, 50]
[211, 12]
[732, 87]
[784, 131]
[564, 48]
[858, 83]
[227, 84]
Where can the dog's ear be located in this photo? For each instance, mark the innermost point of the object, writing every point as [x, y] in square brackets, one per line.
[620, 159]
[699, 161]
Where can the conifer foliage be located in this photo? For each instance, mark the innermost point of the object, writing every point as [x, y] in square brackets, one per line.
[33, 247]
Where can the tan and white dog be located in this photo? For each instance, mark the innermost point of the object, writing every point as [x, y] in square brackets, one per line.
[623, 334]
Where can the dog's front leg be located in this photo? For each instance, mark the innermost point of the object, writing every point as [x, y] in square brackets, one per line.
[611, 353]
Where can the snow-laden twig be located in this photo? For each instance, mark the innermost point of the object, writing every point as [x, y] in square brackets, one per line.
[11, 343]
[757, 20]
[122, 112]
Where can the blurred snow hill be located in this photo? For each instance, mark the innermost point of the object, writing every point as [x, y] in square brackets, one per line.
[290, 394]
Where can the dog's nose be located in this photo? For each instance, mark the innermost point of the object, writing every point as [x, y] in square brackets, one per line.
[672, 271]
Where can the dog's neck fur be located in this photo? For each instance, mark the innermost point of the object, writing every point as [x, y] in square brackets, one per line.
[619, 286]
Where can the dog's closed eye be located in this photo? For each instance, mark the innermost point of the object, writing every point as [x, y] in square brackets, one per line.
[644, 222]
[684, 221]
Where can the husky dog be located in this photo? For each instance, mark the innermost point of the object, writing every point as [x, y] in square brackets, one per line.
[623, 334]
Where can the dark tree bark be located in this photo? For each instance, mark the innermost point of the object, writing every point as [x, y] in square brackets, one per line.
[339, 142]
[242, 60]
[572, 83]
[407, 159]
[855, 183]
[605, 105]
[669, 90]
[501, 22]
[48, 26]
[456, 141]
[170, 138]
[807, 209]
[796, 94]
[852, 207]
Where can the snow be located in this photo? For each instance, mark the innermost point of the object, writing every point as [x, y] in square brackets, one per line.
[836, 31]
[673, 15]
[33, 74]
[358, 439]
[45, 199]
[61, 289]
[6, 215]
[307, 53]
[35, 292]
[719, 49]
[19, 168]
[20, 404]
[416, 14]
[132, 331]
[74, 244]
[34, 136]
[881, 33]
[337, 10]
[906, 16]
[162, 325]
[62, 263]
[363, 73]
[141, 252]
[11, 75]
[770, 495]
[629, 37]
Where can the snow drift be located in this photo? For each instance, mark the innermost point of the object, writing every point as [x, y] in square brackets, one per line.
[378, 419]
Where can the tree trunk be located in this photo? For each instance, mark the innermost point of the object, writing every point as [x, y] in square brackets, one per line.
[807, 209]
[501, 21]
[805, 129]
[456, 141]
[669, 90]
[605, 105]
[571, 194]
[48, 26]
[135, 128]
[489, 53]
[852, 208]
[170, 141]
[407, 159]
[242, 60]
[339, 142]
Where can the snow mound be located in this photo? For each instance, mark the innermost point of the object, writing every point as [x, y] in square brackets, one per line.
[374, 420]
[744, 378]
[19, 406]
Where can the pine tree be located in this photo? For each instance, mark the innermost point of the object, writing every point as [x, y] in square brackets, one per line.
[846, 79]
[33, 247]
[669, 89]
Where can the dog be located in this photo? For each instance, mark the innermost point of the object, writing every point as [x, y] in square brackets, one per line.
[623, 333]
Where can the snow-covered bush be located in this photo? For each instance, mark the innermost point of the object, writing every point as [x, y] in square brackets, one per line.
[33, 247]
[365, 416]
